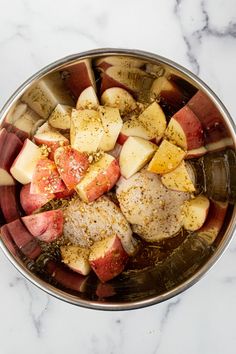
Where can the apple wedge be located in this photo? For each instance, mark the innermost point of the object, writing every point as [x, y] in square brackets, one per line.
[27, 244]
[185, 130]
[24, 165]
[65, 277]
[108, 258]
[117, 97]
[50, 137]
[46, 226]
[10, 145]
[87, 99]
[214, 222]
[86, 130]
[150, 124]
[123, 61]
[133, 80]
[71, 165]
[135, 154]
[112, 124]
[195, 212]
[46, 94]
[179, 179]
[167, 157]
[60, 117]
[76, 258]
[79, 76]
[8, 203]
[46, 178]
[32, 202]
[100, 178]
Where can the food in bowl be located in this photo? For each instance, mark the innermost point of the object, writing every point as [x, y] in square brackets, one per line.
[106, 170]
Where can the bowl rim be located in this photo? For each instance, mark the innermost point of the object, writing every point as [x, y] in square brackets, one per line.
[99, 305]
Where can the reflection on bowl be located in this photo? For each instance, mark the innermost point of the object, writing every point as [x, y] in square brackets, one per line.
[159, 270]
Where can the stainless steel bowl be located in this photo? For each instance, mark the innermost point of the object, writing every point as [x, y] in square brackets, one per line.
[148, 286]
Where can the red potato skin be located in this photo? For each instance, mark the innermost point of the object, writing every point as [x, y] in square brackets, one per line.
[212, 122]
[7, 240]
[46, 226]
[103, 182]
[22, 135]
[105, 290]
[191, 126]
[52, 145]
[108, 82]
[66, 277]
[78, 79]
[46, 178]
[112, 264]
[215, 218]
[10, 146]
[103, 65]
[72, 165]
[23, 239]
[191, 154]
[32, 202]
[65, 194]
[8, 203]
[122, 139]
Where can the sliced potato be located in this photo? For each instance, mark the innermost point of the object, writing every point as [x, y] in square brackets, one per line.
[86, 130]
[195, 212]
[60, 117]
[167, 157]
[135, 154]
[178, 179]
[154, 120]
[119, 98]
[112, 124]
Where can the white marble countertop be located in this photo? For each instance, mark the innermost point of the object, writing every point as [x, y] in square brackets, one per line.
[200, 35]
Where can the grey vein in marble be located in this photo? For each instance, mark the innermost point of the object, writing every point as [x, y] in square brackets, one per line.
[164, 320]
[193, 40]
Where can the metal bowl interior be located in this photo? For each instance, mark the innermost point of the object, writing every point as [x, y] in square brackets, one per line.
[191, 259]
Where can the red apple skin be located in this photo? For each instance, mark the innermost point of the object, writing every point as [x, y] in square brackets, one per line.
[72, 165]
[191, 126]
[7, 240]
[211, 119]
[215, 220]
[23, 239]
[46, 226]
[103, 182]
[22, 135]
[32, 202]
[79, 77]
[46, 178]
[122, 139]
[112, 263]
[52, 145]
[8, 203]
[66, 277]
